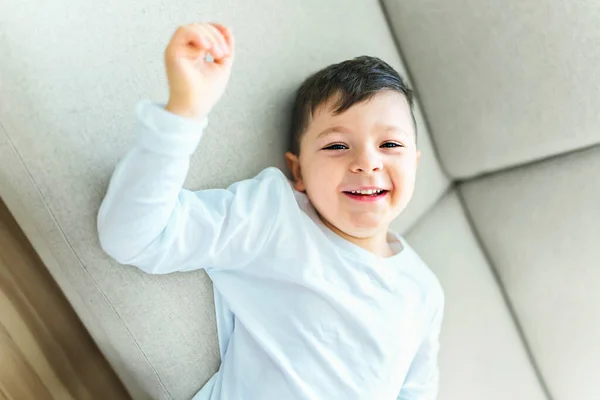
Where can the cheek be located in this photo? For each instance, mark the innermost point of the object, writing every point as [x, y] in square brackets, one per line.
[403, 175]
[322, 179]
[323, 173]
[403, 169]
[403, 179]
[407, 177]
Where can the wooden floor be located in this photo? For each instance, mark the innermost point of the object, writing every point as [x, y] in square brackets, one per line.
[45, 352]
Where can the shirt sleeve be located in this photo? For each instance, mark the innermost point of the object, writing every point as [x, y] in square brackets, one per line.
[422, 380]
[148, 220]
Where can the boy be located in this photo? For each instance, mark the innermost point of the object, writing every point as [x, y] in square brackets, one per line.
[315, 298]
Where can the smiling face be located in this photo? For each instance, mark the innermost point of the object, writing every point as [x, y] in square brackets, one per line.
[358, 167]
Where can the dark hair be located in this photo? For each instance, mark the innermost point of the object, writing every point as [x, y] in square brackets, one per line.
[354, 81]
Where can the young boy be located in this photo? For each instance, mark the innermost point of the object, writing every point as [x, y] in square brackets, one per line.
[315, 298]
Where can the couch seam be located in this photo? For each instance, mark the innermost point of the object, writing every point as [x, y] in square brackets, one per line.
[81, 264]
[527, 164]
[502, 288]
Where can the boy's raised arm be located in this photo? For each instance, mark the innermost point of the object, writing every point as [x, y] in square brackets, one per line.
[146, 219]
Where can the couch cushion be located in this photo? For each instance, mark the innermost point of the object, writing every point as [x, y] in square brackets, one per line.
[505, 82]
[481, 353]
[72, 74]
[541, 228]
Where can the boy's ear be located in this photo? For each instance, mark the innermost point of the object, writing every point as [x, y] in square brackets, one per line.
[293, 163]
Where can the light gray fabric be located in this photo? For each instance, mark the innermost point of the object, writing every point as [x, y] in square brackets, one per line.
[503, 83]
[71, 74]
[481, 354]
[541, 226]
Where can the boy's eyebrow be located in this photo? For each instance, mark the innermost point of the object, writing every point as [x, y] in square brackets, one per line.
[395, 129]
[337, 128]
[342, 129]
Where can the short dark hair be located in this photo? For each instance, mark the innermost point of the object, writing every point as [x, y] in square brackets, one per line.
[354, 81]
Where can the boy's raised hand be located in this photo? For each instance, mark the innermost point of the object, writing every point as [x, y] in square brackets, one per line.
[196, 84]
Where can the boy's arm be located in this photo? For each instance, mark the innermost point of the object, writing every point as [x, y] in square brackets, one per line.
[146, 219]
[422, 381]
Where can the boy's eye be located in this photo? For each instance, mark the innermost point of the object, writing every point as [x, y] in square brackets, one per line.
[391, 144]
[337, 146]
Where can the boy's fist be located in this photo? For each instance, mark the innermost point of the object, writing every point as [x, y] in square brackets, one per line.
[196, 84]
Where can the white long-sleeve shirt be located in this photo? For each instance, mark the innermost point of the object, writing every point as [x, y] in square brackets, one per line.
[301, 312]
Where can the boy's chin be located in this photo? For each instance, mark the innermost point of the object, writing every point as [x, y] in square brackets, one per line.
[364, 228]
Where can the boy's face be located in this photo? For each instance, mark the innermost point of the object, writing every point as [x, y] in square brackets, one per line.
[370, 146]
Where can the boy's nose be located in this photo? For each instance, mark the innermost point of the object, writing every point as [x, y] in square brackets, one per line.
[367, 162]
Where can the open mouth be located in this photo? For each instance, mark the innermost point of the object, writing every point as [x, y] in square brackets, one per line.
[370, 194]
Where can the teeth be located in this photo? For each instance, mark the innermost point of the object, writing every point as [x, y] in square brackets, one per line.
[367, 192]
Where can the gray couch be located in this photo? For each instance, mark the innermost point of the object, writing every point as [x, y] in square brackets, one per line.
[506, 210]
